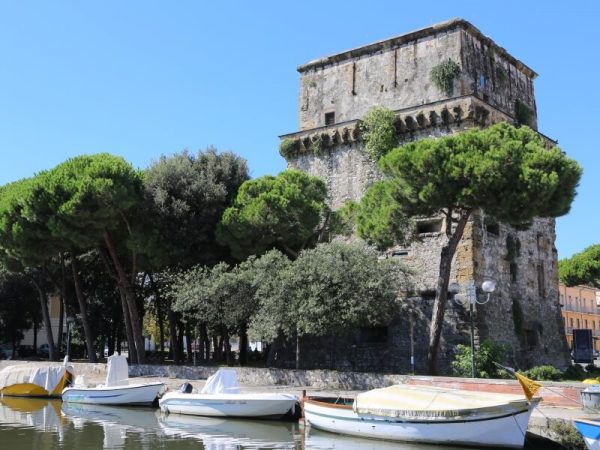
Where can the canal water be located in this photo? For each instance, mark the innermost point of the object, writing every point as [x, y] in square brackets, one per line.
[48, 424]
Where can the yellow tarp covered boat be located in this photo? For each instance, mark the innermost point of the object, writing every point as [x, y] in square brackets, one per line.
[26, 380]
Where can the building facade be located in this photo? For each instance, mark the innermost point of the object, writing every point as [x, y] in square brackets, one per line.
[580, 310]
[491, 86]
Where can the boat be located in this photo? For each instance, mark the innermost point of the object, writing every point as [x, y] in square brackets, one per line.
[221, 397]
[426, 414]
[31, 380]
[590, 431]
[116, 390]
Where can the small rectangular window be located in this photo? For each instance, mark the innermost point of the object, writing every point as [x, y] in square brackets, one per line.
[329, 118]
[482, 81]
[434, 226]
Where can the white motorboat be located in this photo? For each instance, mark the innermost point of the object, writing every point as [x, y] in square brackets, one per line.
[426, 414]
[221, 397]
[116, 390]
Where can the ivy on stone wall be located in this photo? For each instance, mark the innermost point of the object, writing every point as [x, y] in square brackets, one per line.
[443, 76]
[501, 76]
[379, 131]
[522, 113]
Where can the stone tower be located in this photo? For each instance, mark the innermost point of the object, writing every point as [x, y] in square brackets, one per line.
[337, 91]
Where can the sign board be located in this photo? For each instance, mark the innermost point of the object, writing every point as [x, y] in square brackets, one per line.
[583, 348]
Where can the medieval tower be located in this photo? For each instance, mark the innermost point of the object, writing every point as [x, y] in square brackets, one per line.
[490, 86]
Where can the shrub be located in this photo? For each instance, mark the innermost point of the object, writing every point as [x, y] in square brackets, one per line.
[574, 372]
[567, 435]
[488, 353]
[379, 131]
[544, 373]
[288, 148]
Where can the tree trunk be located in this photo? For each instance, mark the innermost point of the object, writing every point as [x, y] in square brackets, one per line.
[45, 317]
[159, 316]
[131, 344]
[180, 334]
[243, 350]
[35, 333]
[131, 348]
[134, 317]
[188, 341]
[173, 336]
[297, 350]
[87, 331]
[63, 277]
[441, 294]
[227, 349]
[205, 342]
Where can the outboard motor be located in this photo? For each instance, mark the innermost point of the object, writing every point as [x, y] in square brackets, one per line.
[186, 388]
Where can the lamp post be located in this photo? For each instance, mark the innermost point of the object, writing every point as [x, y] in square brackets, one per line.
[470, 290]
[70, 321]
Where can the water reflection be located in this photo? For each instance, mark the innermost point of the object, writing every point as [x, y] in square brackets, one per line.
[220, 433]
[43, 423]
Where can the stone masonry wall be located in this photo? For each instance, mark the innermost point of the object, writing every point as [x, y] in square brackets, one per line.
[396, 74]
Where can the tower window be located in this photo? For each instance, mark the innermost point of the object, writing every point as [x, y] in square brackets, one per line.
[329, 118]
[482, 81]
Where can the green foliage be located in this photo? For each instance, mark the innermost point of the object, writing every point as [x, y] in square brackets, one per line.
[567, 435]
[337, 287]
[544, 373]
[581, 268]
[379, 131]
[522, 113]
[488, 353]
[507, 171]
[18, 306]
[277, 313]
[185, 196]
[221, 296]
[85, 196]
[317, 144]
[342, 221]
[380, 218]
[574, 372]
[282, 212]
[289, 148]
[443, 76]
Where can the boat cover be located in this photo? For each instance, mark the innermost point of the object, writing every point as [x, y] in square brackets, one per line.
[117, 371]
[428, 402]
[224, 381]
[47, 377]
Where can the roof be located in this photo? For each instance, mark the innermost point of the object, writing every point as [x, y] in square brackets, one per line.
[397, 41]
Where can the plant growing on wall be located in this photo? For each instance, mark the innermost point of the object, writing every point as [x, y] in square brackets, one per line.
[317, 145]
[379, 131]
[501, 76]
[443, 76]
[522, 113]
[288, 148]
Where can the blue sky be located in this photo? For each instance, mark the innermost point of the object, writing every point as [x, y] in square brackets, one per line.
[141, 79]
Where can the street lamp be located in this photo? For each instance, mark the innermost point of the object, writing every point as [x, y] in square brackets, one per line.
[488, 286]
[70, 321]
